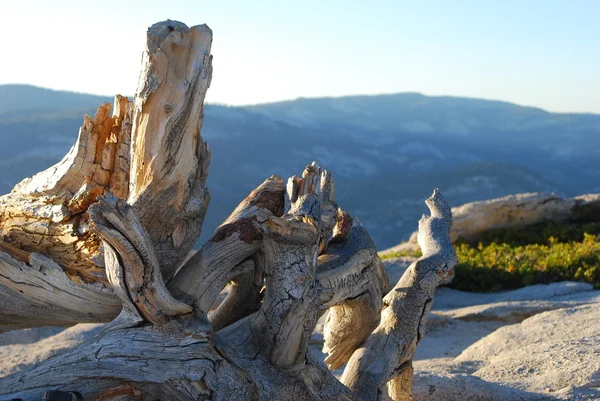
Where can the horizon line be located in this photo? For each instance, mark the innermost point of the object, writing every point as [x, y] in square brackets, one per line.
[290, 100]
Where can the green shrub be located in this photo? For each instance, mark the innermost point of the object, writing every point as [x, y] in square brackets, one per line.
[413, 254]
[541, 254]
[537, 234]
[505, 266]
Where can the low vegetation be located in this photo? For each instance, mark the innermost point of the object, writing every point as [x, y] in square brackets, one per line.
[545, 253]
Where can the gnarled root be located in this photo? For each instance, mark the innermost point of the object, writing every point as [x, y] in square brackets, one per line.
[120, 213]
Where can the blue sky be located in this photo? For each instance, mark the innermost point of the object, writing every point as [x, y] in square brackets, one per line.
[536, 53]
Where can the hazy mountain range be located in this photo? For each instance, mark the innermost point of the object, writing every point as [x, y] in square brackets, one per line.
[386, 152]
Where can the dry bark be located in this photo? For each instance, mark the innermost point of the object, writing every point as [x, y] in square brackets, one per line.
[105, 231]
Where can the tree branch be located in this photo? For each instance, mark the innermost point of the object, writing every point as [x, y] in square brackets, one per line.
[202, 278]
[132, 267]
[177, 362]
[291, 243]
[351, 271]
[35, 292]
[406, 306]
[244, 297]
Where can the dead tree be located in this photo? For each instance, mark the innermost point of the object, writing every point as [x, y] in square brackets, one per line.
[102, 235]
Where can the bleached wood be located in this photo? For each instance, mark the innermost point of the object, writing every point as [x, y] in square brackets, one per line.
[348, 325]
[400, 388]
[392, 345]
[202, 278]
[350, 262]
[291, 305]
[117, 216]
[46, 213]
[35, 292]
[351, 269]
[169, 160]
[244, 296]
[175, 362]
[164, 155]
[132, 266]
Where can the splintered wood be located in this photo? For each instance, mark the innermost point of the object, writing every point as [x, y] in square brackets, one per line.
[46, 213]
[102, 236]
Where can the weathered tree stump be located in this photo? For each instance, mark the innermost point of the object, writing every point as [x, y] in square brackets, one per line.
[102, 235]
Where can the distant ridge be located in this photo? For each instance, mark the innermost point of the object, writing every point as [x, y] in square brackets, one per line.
[415, 97]
[406, 97]
[18, 97]
[386, 152]
[24, 97]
